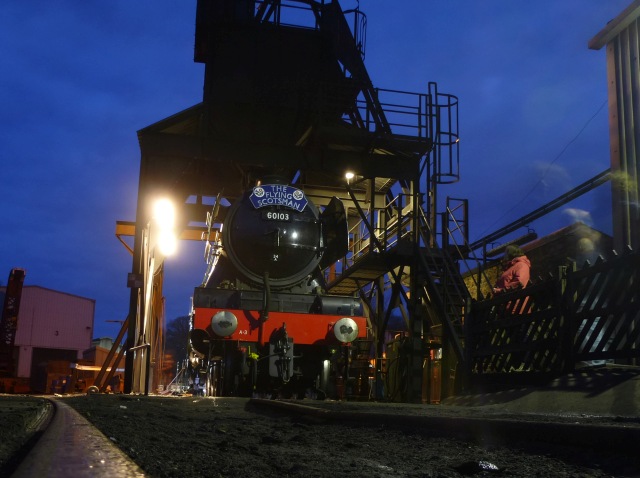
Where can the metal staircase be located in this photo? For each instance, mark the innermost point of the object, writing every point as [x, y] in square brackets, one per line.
[393, 252]
[377, 250]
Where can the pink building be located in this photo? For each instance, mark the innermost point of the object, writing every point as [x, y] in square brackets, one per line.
[53, 326]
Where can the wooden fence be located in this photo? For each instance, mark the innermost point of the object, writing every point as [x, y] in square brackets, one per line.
[581, 315]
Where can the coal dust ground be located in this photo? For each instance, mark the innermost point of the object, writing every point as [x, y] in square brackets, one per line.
[231, 437]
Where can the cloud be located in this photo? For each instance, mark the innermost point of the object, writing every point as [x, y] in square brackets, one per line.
[578, 215]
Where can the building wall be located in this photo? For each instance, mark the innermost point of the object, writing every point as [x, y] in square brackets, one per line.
[52, 320]
[621, 36]
[95, 357]
[99, 351]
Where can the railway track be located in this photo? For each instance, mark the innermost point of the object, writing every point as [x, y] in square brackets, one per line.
[58, 442]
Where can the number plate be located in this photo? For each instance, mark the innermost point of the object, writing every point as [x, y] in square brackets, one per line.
[276, 216]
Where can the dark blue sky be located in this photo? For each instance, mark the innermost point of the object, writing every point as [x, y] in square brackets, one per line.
[81, 78]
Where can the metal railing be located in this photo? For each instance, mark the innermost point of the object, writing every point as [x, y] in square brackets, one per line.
[307, 14]
[464, 255]
[389, 225]
[406, 112]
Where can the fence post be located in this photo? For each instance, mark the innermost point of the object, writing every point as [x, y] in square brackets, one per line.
[567, 310]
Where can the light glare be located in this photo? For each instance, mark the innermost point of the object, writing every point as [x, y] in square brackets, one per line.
[164, 214]
[167, 243]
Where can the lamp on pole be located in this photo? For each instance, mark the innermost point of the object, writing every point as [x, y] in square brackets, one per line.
[158, 240]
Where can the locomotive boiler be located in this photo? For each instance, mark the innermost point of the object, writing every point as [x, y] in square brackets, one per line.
[262, 322]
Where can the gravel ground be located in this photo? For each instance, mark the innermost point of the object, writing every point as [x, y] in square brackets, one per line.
[230, 437]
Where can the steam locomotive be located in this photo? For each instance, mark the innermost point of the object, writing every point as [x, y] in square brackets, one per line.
[262, 324]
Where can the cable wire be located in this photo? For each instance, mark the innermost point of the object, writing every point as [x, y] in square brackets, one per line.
[546, 170]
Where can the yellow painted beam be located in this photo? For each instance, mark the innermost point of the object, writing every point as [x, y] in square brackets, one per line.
[189, 233]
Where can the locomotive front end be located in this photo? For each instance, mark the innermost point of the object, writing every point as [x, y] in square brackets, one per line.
[263, 317]
[275, 231]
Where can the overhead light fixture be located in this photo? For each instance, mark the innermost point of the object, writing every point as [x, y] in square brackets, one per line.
[164, 217]
[164, 213]
[167, 243]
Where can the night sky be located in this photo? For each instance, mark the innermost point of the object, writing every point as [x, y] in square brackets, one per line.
[79, 79]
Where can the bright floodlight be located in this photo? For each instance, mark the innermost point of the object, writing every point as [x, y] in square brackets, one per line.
[349, 175]
[164, 214]
[167, 242]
